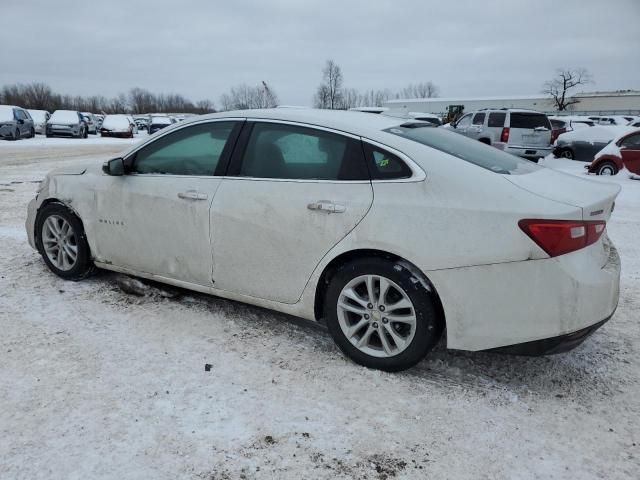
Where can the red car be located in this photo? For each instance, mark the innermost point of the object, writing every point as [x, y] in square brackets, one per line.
[623, 152]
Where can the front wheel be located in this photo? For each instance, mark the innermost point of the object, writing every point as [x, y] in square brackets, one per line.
[62, 242]
[381, 315]
[607, 168]
[567, 153]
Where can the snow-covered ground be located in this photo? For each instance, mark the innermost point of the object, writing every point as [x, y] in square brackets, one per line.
[98, 383]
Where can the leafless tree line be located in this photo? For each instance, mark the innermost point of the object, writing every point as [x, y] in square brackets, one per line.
[332, 95]
[40, 96]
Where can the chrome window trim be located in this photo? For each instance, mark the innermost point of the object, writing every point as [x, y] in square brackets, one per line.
[418, 174]
[178, 126]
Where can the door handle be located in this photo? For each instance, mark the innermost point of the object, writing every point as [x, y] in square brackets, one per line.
[327, 206]
[192, 195]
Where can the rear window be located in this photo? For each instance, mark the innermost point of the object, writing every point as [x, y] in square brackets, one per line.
[529, 120]
[472, 151]
[496, 119]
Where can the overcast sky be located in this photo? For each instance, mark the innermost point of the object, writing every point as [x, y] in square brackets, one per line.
[200, 48]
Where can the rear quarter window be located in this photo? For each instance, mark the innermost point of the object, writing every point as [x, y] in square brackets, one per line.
[528, 120]
[496, 119]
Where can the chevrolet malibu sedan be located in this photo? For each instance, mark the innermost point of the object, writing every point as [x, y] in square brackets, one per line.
[392, 232]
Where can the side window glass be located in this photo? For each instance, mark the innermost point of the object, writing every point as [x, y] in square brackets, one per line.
[385, 165]
[193, 150]
[632, 142]
[496, 119]
[478, 119]
[292, 152]
[464, 121]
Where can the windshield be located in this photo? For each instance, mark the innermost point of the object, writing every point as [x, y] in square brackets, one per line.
[64, 116]
[472, 151]
[6, 114]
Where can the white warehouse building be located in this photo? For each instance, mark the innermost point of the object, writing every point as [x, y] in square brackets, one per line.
[594, 103]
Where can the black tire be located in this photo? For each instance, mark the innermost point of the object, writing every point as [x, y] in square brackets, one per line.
[428, 325]
[83, 265]
[16, 135]
[48, 135]
[607, 168]
[86, 133]
[486, 141]
[567, 153]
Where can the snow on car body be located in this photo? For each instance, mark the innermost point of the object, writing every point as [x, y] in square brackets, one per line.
[116, 126]
[327, 215]
[585, 143]
[621, 152]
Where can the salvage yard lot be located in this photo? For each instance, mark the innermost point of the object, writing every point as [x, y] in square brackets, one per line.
[98, 383]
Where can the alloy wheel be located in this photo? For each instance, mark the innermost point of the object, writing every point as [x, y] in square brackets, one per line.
[59, 242]
[376, 315]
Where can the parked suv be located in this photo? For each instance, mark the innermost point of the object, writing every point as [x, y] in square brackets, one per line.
[525, 133]
[67, 123]
[15, 123]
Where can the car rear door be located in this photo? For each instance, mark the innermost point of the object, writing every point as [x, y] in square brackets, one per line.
[155, 219]
[529, 129]
[630, 151]
[291, 194]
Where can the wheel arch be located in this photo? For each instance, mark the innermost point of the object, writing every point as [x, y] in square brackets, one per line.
[485, 140]
[49, 201]
[348, 256]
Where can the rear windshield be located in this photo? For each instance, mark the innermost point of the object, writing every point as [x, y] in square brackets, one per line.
[466, 149]
[529, 120]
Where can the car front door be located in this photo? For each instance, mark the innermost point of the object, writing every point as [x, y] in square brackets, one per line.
[630, 151]
[292, 193]
[155, 219]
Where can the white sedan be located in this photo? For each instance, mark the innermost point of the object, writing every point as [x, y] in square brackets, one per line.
[390, 231]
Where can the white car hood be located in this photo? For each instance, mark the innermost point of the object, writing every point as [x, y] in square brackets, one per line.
[593, 197]
[77, 169]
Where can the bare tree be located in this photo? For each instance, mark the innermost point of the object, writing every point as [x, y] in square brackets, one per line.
[329, 92]
[565, 80]
[420, 90]
[243, 97]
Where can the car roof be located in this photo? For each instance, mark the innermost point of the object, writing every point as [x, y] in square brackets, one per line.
[357, 123]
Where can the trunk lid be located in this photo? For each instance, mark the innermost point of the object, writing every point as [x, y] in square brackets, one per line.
[595, 198]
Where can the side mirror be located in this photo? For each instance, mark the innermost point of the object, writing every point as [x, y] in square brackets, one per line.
[114, 167]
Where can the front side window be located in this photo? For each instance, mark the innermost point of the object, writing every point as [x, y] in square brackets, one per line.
[293, 152]
[464, 121]
[194, 150]
[478, 119]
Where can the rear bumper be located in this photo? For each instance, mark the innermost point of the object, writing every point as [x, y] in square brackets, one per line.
[514, 303]
[553, 345]
[528, 152]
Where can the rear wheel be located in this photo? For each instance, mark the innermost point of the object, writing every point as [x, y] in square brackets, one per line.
[32, 133]
[381, 315]
[62, 242]
[607, 168]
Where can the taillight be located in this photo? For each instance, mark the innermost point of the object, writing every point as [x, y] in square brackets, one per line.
[557, 237]
[504, 136]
